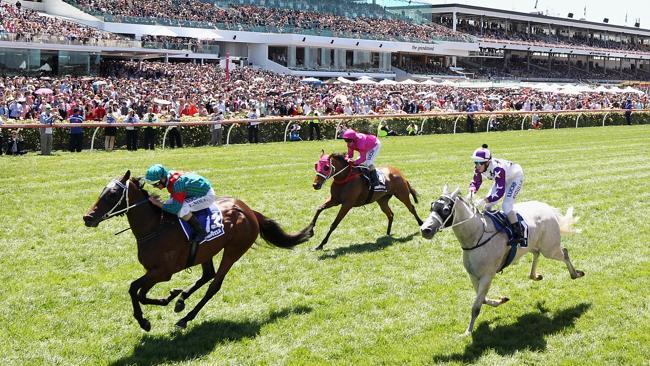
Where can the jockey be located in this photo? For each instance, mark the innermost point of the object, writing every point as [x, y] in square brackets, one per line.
[368, 147]
[189, 192]
[508, 179]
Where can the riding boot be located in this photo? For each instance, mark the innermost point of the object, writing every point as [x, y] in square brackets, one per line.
[517, 233]
[372, 175]
[199, 232]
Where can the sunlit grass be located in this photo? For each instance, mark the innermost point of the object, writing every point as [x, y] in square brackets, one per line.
[367, 299]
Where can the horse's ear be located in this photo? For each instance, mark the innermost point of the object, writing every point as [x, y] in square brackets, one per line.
[322, 152]
[126, 177]
[445, 189]
[456, 191]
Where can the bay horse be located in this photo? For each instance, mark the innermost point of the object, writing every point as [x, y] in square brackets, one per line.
[349, 189]
[163, 248]
[485, 248]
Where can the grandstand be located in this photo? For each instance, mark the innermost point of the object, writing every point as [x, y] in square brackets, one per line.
[388, 39]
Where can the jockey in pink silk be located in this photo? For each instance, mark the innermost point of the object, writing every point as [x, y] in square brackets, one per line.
[508, 179]
[368, 147]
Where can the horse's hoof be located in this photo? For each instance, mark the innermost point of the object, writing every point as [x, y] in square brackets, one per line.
[320, 247]
[180, 306]
[538, 277]
[504, 300]
[181, 324]
[466, 334]
[145, 325]
[579, 274]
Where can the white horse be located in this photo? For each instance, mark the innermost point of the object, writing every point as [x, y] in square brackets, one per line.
[485, 249]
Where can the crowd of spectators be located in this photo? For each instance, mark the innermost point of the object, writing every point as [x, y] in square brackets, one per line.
[187, 89]
[541, 37]
[168, 92]
[518, 68]
[27, 24]
[250, 17]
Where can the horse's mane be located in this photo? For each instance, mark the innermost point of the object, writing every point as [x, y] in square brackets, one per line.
[338, 156]
[139, 182]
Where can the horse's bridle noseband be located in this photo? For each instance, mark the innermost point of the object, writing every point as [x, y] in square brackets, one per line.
[332, 169]
[124, 197]
[453, 208]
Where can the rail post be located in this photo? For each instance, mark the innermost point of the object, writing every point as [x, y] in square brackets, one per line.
[165, 135]
[92, 140]
[455, 123]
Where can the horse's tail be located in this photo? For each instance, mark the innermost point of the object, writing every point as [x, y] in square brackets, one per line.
[567, 221]
[413, 192]
[273, 233]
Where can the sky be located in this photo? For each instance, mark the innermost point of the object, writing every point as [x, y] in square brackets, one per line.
[596, 9]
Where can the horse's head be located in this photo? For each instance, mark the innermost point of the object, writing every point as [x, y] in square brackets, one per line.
[441, 215]
[323, 170]
[113, 199]
[328, 166]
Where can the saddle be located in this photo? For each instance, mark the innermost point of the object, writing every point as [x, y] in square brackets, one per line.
[502, 224]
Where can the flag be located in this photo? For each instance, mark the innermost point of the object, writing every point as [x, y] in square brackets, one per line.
[227, 65]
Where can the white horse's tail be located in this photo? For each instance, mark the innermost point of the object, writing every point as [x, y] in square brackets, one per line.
[567, 221]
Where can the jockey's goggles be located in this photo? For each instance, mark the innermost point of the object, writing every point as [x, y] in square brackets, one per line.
[478, 162]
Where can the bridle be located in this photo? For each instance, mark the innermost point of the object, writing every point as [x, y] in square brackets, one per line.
[444, 223]
[332, 170]
[124, 197]
[474, 212]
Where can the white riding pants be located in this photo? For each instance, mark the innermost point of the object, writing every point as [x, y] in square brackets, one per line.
[194, 204]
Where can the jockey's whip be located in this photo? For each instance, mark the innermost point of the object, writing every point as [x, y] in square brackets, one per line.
[120, 232]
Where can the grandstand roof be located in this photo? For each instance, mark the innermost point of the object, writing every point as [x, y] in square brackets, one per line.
[515, 15]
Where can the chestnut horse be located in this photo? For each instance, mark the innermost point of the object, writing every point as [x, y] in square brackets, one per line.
[163, 248]
[350, 189]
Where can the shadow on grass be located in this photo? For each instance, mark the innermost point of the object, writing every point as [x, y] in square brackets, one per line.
[199, 340]
[527, 334]
[381, 243]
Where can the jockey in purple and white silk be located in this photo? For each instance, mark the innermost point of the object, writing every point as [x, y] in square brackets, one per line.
[508, 179]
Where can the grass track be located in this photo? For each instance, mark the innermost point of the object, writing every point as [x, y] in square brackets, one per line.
[367, 299]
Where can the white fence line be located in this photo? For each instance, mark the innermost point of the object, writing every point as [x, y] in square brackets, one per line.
[265, 120]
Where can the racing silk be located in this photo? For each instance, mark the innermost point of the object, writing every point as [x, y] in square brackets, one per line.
[182, 186]
[363, 144]
[502, 172]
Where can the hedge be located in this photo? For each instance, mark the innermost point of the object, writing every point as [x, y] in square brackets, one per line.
[271, 132]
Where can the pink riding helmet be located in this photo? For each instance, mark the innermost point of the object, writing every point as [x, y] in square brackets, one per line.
[350, 134]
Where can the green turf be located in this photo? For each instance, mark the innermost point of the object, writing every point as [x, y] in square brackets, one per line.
[368, 299]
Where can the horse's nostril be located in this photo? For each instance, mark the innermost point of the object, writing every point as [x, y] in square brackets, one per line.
[426, 231]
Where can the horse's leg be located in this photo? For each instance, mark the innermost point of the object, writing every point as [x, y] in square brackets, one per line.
[230, 256]
[208, 273]
[403, 195]
[329, 203]
[559, 253]
[533, 268]
[383, 203]
[137, 310]
[575, 273]
[154, 277]
[487, 301]
[481, 291]
[342, 212]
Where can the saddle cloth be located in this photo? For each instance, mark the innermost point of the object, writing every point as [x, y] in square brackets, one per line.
[501, 223]
[212, 221]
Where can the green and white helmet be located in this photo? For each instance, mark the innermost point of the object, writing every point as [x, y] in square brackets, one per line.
[155, 173]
